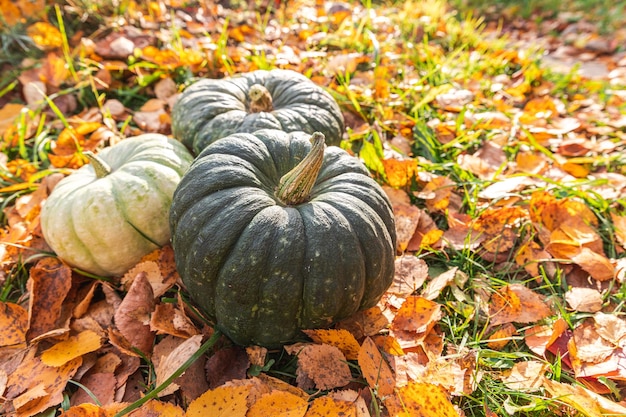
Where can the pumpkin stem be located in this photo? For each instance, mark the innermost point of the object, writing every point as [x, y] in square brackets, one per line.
[260, 99]
[294, 187]
[102, 168]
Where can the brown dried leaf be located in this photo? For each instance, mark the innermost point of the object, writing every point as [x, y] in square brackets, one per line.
[410, 273]
[50, 282]
[169, 364]
[586, 300]
[417, 314]
[14, 324]
[539, 338]
[167, 319]
[132, 317]
[325, 365]
[516, 303]
[226, 364]
[365, 322]
[102, 385]
[525, 376]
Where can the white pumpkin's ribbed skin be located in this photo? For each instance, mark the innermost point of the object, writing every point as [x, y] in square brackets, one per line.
[105, 225]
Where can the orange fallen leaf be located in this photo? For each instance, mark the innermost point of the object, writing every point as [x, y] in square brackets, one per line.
[501, 337]
[575, 396]
[45, 35]
[365, 322]
[224, 401]
[340, 338]
[73, 347]
[516, 303]
[417, 314]
[328, 406]
[375, 369]
[278, 404]
[49, 284]
[85, 410]
[400, 172]
[540, 337]
[424, 400]
[325, 365]
[158, 408]
[14, 324]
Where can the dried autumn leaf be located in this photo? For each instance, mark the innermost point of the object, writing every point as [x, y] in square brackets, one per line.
[85, 410]
[441, 188]
[73, 347]
[36, 386]
[596, 264]
[229, 363]
[14, 324]
[279, 404]
[501, 337]
[610, 327]
[132, 317]
[8, 114]
[586, 300]
[417, 314]
[539, 338]
[45, 35]
[354, 398]
[400, 172]
[340, 338]
[49, 283]
[516, 303]
[525, 376]
[365, 322]
[590, 346]
[167, 319]
[102, 385]
[327, 406]
[169, 364]
[451, 277]
[222, 401]
[424, 400]
[158, 408]
[575, 396]
[325, 365]
[375, 369]
[410, 273]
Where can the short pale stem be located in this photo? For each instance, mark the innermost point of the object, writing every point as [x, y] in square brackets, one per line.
[102, 168]
[295, 186]
[260, 99]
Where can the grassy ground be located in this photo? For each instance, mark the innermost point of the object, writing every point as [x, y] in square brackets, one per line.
[401, 72]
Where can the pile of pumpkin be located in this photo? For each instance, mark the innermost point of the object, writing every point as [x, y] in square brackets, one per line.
[274, 227]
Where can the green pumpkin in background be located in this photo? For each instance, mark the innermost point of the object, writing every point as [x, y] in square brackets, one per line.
[274, 232]
[211, 109]
[107, 215]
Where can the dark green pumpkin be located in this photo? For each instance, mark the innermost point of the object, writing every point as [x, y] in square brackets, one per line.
[264, 256]
[211, 109]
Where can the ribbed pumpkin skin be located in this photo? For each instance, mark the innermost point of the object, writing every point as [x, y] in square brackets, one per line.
[214, 108]
[105, 225]
[264, 271]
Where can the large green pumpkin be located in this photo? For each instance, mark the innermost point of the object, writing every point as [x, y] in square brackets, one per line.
[108, 214]
[211, 109]
[273, 234]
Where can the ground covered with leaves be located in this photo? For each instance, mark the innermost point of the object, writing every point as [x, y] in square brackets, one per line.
[498, 135]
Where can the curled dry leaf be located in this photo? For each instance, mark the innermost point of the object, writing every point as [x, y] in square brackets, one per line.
[167, 319]
[132, 317]
[540, 337]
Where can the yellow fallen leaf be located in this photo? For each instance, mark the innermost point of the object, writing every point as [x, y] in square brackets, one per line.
[223, 401]
[277, 404]
[45, 35]
[340, 338]
[424, 400]
[375, 369]
[327, 406]
[575, 396]
[74, 347]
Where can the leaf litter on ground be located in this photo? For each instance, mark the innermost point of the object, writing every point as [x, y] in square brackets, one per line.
[499, 141]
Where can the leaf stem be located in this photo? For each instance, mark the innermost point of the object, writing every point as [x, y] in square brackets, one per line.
[295, 186]
[260, 99]
[155, 392]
